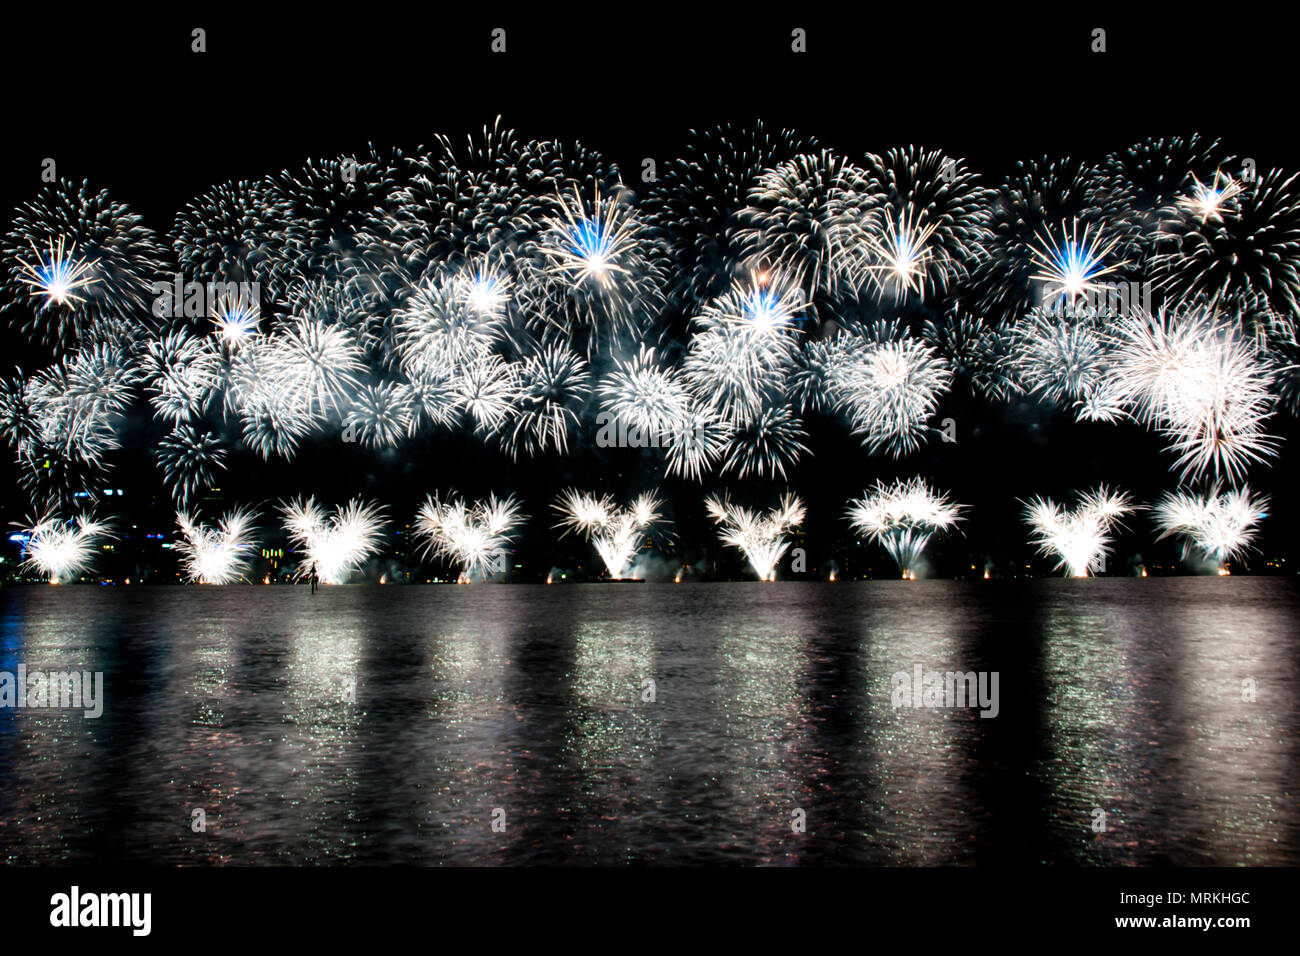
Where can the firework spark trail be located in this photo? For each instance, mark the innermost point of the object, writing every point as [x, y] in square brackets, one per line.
[62, 550]
[334, 545]
[471, 535]
[903, 516]
[1214, 527]
[1080, 538]
[216, 555]
[761, 536]
[615, 532]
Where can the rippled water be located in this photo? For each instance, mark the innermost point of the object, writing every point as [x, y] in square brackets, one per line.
[1120, 695]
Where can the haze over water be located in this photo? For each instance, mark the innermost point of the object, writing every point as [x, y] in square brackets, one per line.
[1123, 695]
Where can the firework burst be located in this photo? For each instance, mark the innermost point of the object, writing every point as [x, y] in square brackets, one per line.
[760, 535]
[216, 555]
[333, 545]
[85, 261]
[1080, 539]
[1202, 383]
[903, 517]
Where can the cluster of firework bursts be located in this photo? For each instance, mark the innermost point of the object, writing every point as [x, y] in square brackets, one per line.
[903, 517]
[521, 292]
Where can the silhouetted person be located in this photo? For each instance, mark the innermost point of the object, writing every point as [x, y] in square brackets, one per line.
[313, 577]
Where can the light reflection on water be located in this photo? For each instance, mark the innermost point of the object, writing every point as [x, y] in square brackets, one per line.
[376, 725]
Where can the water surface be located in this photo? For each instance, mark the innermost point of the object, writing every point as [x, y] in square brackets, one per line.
[376, 725]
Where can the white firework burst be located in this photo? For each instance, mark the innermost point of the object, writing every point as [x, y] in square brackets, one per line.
[553, 389]
[761, 536]
[890, 390]
[335, 544]
[217, 555]
[380, 416]
[1202, 383]
[1080, 539]
[903, 516]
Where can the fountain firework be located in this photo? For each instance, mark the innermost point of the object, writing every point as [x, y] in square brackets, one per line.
[615, 532]
[903, 516]
[761, 536]
[62, 550]
[1079, 539]
[219, 555]
[474, 536]
[334, 545]
[1214, 527]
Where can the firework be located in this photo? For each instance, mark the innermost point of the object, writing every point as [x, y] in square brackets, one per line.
[889, 391]
[808, 218]
[219, 233]
[1071, 268]
[180, 375]
[1239, 253]
[333, 545]
[695, 201]
[615, 532]
[601, 270]
[903, 516]
[553, 389]
[764, 444]
[1063, 356]
[380, 416]
[1202, 383]
[1151, 184]
[1215, 527]
[761, 536]
[219, 555]
[474, 536]
[1030, 206]
[645, 396]
[80, 266]
[1079, 539]
[319, 363]
[189, 459]
[441, 328]
[934, 221]
[63, 550]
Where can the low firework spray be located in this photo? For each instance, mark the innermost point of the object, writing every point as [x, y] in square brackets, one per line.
[762, 536]
[475, 536]
[903, 517]
[1213, 528]
[1079, 538]
[615, 532]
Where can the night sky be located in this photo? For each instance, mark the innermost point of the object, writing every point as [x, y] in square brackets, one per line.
[123, 102]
